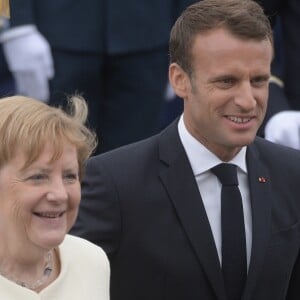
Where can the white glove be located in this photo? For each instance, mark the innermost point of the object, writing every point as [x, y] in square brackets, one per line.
[284, 128]
[29, 59]
[169, 93]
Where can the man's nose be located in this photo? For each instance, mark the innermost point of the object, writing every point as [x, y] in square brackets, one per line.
[245, 98]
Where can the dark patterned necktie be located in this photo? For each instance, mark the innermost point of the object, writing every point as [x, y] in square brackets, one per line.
[234, 262]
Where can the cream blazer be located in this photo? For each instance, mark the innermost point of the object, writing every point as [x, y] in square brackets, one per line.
[84, 275]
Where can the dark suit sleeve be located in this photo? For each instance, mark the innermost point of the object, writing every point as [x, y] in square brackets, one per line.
[99, 215]
[21, 12]
[294, 287]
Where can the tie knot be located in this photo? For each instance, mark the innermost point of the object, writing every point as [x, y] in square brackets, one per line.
[226, 173]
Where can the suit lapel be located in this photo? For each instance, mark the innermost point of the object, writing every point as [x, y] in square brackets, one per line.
[260, 195]
[178, 179]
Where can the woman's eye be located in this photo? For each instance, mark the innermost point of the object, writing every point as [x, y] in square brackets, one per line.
[38, 177]
[71, 177]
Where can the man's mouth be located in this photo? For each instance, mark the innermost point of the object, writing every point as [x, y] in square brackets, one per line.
[239, 120]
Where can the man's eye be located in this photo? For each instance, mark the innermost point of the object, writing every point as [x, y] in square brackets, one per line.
[225, 82]
[259, 81]
[228, 80]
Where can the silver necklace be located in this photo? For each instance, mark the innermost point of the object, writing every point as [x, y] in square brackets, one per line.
[38, 283]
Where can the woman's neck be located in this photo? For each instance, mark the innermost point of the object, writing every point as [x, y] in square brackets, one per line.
[31, 273]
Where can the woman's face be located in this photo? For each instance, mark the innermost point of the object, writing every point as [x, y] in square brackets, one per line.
[39, 205]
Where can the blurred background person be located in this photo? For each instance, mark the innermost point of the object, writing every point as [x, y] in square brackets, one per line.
[282, 122]
[42, 156]
[113, 52]
[6, 80]
[284, 86]
[7, 86]
[287, 124]
[4, 8]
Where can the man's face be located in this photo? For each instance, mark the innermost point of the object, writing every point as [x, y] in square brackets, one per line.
[225, 98]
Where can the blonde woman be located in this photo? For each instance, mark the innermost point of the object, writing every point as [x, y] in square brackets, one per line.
[42, 156]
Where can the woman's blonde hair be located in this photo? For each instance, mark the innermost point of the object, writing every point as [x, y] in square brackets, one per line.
[27, 125]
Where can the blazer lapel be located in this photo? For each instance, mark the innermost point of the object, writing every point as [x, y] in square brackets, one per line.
[178, 179]
[260, 195]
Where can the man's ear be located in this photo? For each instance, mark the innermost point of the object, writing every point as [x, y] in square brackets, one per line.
[179, 80]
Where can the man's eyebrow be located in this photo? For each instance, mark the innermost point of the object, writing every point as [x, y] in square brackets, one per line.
[222, 77]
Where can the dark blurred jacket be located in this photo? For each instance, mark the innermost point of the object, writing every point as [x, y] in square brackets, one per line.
[111, 26]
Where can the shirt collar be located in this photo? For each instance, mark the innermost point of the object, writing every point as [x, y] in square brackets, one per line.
[201, 159]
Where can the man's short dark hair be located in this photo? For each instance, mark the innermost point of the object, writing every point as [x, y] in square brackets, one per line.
[245, 19]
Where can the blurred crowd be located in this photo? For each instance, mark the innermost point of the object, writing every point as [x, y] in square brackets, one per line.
[114, 53]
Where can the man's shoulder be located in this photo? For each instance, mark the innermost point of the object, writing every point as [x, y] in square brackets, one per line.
[277, 154]
[127, 160]
[266, 145]
[143, 150]
[133, 150]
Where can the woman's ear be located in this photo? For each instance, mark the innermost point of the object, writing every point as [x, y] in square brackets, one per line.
[179, 80]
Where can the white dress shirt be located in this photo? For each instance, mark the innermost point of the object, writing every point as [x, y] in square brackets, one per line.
[202, 160]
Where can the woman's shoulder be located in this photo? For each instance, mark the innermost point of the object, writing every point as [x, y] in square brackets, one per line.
[84, 274]
[83, 250]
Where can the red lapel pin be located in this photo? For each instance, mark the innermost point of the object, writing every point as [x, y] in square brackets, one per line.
[262, 179]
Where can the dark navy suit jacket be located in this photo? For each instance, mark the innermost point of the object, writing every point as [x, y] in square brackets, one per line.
[141, 203]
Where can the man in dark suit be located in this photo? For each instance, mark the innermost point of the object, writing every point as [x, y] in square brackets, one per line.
[114, 52]
[155, 205]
